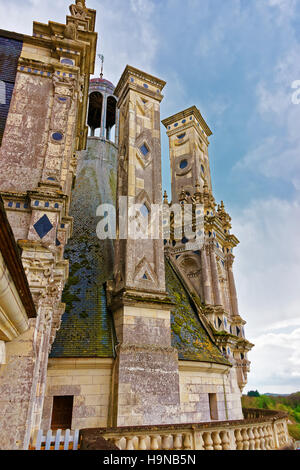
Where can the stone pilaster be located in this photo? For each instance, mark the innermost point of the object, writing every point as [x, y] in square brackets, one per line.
[232, 288]
[206, 278]
[215, 275]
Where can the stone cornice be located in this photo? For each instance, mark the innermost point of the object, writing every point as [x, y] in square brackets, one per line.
[148, 300]
[125, 83]
[216, 368]
[187, 112]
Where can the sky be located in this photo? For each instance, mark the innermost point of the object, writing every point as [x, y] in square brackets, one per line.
[237, 61]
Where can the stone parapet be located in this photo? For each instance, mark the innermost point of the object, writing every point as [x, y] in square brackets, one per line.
[259, 430]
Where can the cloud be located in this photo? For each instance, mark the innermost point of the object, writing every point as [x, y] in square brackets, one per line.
[267, 277]
[284, 324]
[126, 31]
[275, 363]
[277, 153]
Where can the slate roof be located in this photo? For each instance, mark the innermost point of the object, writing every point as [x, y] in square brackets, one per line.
[189, 336]
[87, 327]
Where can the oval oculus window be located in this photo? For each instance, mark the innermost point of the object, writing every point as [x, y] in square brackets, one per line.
[183, 164]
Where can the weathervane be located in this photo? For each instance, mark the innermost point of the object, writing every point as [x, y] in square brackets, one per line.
[101, 57]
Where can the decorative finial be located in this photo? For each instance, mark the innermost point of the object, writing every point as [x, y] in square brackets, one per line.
[182, 196]
[198, 194]
[101, 57]
[166, 198]
[205, 187]
[197, 187]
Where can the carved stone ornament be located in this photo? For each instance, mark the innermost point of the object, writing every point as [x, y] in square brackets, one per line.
[70, 31]
[79, 10]
[59, 80]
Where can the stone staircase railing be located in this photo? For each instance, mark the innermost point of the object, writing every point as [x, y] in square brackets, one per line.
[259, 430]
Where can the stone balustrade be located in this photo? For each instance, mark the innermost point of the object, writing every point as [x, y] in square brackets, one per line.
[260, 430]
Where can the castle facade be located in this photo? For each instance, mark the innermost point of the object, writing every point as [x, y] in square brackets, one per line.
[98, 328]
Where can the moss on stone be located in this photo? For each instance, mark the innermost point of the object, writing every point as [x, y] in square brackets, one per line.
[188, 334]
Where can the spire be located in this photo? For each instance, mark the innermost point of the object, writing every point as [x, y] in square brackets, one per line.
[101, 57]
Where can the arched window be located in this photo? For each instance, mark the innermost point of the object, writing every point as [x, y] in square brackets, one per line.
[111, 118]
[95, 111]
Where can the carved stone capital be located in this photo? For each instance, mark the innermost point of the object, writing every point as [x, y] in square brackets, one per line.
[229, 259]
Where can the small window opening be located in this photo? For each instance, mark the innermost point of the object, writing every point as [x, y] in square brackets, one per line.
[62, 412]
[213, 406]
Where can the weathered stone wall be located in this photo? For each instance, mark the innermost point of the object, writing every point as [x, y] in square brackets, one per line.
[26, 133]
[16, 380]
[197, 381]
[146, 388]
[89, 381]
[44, 129]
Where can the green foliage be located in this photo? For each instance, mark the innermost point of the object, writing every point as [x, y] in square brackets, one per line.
[294, 431]
[290, 404]
[253, 393]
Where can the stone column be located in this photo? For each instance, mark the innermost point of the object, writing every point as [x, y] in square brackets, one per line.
[205, 278]
[103, 116]
[232, 288]
[215, 276]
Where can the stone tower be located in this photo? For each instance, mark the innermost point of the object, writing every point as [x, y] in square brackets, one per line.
[208, 270]
[141, 309]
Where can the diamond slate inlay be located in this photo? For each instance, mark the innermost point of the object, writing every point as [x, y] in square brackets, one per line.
[144, 150]
[43, 226]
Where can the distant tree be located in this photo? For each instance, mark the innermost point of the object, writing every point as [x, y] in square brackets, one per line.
[253, 393]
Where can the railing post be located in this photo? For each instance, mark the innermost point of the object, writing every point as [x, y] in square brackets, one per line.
[238, 439]
[67, 439]
[129, 443]
[142, 443]
[39, 440]
[257, 439]
[187, 442]
[232, 439]
[217, 440]
[154, 442]
[49, 438]
[262, 440]
[76, 439]
[208, 442]
[198, 439]
[177, 441]
[225, 440]
[251, 439]
[165, 442]
[271, 437]
[245, 438]
[57, 439]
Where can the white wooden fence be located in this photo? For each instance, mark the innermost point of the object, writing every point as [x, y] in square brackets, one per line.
[59, 440]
